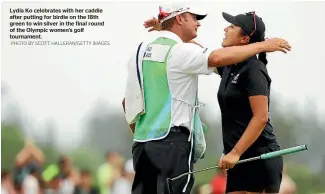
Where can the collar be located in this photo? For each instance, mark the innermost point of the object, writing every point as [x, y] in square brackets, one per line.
[171, 35]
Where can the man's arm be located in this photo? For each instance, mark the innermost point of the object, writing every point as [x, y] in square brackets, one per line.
[36, 153]
[236, 54]
[22, 157]
[132, 126]
[192, 59]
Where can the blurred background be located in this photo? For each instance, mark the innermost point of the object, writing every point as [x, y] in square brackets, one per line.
[62, 123]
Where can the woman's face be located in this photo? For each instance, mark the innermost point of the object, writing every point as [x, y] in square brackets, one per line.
[234, 36]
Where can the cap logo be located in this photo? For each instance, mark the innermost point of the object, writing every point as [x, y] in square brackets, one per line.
[163, 14]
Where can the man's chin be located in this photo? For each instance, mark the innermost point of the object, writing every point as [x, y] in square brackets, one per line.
[194, 35]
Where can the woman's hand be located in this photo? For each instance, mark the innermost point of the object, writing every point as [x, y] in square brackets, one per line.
[229, 160]
[153, 24]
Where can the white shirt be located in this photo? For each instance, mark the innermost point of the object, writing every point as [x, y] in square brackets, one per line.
[184, 63]
[122, 186]
[4, 191]
[30, 185]
[67, 186]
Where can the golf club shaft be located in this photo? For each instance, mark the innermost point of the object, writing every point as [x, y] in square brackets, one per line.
[169, 180]
[213, 167]
[263, 156]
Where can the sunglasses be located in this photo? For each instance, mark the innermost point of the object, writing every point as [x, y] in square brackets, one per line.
[254, 16]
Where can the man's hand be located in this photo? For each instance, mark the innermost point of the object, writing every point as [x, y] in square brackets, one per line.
[228, 161]
[153, 24]
[276, 44]
[132, 126]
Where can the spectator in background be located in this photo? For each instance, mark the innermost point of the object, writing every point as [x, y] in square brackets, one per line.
[219, 182]
[6, 183]
[202, 189]
[29, 157]
[123, 185]
[53, 185]
[108, 172]
[68, 176]
[288, 186]
[31, 183]
[85, 186]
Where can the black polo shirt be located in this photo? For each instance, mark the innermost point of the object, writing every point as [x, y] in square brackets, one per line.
[238, 82]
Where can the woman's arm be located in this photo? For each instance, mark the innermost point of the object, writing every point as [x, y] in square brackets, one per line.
[257, 87]
[259, 106]
[255, 82]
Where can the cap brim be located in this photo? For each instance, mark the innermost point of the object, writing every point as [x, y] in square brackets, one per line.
[200, 15]
[229, 18]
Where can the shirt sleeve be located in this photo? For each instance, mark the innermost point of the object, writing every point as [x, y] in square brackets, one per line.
[219, 71]
[132, 66]
[257, 80]
[189, 58]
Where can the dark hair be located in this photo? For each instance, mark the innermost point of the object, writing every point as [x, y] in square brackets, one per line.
[261, 56]
[85, 172]
[166, 25]
[62, 160]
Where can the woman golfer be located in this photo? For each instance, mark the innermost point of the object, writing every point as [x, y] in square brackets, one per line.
[244, 97]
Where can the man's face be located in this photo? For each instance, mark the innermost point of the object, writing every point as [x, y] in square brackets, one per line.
[66, 165]
[234, 36]
[190, 25]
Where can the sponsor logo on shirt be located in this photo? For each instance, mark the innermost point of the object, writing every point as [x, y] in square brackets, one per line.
[234, 80]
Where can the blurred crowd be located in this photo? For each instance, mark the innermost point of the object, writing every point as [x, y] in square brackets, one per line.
[219, 181]
[114, 176]
[31, 176]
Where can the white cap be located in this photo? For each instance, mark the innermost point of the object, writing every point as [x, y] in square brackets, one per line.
[128, 167]
[171, 10]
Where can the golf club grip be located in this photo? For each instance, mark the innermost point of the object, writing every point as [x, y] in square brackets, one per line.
[284, 152]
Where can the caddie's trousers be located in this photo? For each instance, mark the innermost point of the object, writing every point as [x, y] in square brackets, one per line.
[155, 161]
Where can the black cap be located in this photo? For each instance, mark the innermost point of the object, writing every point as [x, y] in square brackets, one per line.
[246, 22]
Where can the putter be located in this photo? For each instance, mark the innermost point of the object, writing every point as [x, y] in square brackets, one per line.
[261, 157]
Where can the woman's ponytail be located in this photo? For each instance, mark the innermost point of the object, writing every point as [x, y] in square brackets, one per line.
[262, 57]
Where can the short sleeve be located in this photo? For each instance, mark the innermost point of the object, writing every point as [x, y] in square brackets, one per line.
[257, 80]
[219, 70]
[189, 58]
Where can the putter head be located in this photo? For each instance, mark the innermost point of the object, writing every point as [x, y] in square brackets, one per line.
[169, 186]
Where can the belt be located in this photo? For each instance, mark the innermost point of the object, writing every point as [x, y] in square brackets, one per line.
[179, 129]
